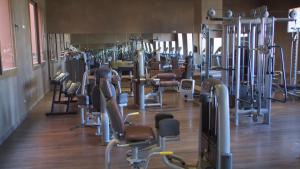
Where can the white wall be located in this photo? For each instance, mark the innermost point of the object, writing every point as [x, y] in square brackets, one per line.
[21, 90]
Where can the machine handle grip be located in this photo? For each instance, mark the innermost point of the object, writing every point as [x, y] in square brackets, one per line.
[166, 153]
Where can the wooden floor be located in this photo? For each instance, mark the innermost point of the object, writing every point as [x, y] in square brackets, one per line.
[58, 143]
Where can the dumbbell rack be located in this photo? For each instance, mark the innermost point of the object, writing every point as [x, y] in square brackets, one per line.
[70, 90]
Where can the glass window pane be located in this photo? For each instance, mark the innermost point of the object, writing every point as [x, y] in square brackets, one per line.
[217, 44]
[173, 44]
[161, 45]
[180, 43]
[6, 38]
[189, 43]
[167, 46]
[42, 36]
[57, 43]
[156, 45]
[145, 46]
[33, 32]
[148, 47]
[151, 47]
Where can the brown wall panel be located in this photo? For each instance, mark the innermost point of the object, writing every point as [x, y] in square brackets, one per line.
[111, 16]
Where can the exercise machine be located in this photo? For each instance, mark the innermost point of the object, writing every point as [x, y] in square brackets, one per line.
[248, 61]
[159, 82]
[187, 84]
[214, 133]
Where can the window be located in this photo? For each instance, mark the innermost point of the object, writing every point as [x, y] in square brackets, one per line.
[156, 45]
[167, 46]
[52, 50]
[151, 47]
[148, 48]
[189, 43]
[34, 31]
[173, 44]
[58, 45]
[180, 43]
[6, 37]
[217, 44]
[62, 42]
[202, 41]
[66, 38]
[173, 47]
[144, 46]
[42, 36]
[161, 45]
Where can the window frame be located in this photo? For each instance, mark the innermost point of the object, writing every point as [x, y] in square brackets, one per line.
[37, 32]
[3, 71]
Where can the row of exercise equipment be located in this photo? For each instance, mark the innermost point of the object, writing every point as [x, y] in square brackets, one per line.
[100, 101]
[244, 81]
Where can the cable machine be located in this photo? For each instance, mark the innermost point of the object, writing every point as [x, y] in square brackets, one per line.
[248, 60]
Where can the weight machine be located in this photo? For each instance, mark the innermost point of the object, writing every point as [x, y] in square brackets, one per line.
[159, 82]
[214, 133]
[248, 61]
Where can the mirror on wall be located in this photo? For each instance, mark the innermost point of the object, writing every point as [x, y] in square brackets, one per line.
[112, 48]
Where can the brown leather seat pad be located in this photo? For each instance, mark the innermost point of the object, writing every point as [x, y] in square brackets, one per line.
[138, 133]
[166, 76]
[168, 83]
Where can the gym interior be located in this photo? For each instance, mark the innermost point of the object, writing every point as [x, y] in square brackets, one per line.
[177, 84]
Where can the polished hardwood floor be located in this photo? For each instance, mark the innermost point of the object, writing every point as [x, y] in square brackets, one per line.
[58, 143]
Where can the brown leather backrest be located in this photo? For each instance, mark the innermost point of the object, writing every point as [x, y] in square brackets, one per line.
[115, 116]
[112, 107]
[107, 88]
[96, 96]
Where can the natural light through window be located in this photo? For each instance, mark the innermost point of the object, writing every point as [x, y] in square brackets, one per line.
[6, 37]
[217, 44]
[151, 47]
[161, 45]
[167, 46]
[180, 43]
[148, 47]
[189, 43]
[42, 37]
[156, 45]
[34, 33]
[174, 44]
